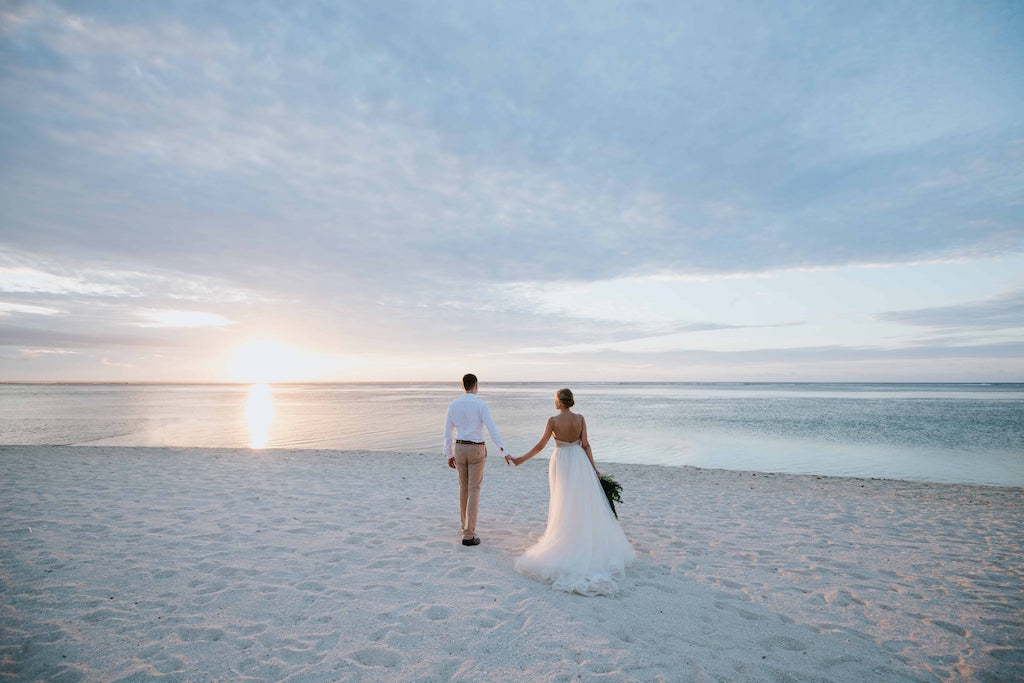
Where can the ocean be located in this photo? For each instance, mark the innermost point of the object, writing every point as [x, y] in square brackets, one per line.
[964, 433]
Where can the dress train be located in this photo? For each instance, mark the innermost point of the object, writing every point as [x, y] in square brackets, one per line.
[583, 549]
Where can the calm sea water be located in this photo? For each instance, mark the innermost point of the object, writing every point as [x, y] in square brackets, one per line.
[936, 432]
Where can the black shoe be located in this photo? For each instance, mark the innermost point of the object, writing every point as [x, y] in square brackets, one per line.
[471, 541]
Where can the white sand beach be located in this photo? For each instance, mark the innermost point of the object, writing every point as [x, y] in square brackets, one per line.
[195, 564]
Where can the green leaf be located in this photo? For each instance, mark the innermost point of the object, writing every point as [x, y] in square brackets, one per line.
[612, 491]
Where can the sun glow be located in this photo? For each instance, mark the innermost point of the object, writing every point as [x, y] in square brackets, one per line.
[266, 362]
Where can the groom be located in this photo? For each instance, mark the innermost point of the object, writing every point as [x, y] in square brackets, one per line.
[467, 417]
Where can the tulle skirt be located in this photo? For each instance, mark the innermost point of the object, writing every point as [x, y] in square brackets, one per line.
[583, 549]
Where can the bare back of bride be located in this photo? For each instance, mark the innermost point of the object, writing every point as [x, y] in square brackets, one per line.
[583, 549]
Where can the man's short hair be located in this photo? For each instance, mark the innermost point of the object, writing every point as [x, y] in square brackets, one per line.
[468, 381]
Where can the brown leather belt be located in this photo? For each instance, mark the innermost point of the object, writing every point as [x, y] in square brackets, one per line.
[471, 443]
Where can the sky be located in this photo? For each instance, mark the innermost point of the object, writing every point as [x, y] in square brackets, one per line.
[531, 191]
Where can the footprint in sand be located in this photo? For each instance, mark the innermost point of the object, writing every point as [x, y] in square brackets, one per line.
[192, 634]
[377, 657]
[783, 643]
[437, 613]
[657, 585]
[102, 615]
[459, 572]
[625, 635]
[738, 611]
[1013, 655]
[947, 626]
[487, 624]
[841, 598]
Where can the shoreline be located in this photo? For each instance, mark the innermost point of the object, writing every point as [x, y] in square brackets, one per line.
[344, 565]
[539, 457]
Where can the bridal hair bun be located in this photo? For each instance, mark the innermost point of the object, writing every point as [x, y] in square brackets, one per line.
[565, 398]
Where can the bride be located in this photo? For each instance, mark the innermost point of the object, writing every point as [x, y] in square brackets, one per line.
[583, 549]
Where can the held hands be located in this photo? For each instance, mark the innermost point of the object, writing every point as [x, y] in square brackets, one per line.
[509, 460]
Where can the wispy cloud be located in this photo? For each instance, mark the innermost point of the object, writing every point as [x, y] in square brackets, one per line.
[183, 319]
[17, 336]
[22, 274]
[48, 351]
[9, 308]
[1000, 312]
[33, 281]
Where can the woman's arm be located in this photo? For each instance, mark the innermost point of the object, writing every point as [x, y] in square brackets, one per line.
[585, 442]
[548, 429]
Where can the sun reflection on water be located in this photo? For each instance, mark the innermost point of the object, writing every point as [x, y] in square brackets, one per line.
[259, 413]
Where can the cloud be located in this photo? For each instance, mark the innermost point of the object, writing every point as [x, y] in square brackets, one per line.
[384, 176]
[1004, 312]
[183, 319]
[33, 281]
[604, 146]
[598, 338]
[11, 335]
[809, 356]
[9, 308]
[50, 277]
[50, 351]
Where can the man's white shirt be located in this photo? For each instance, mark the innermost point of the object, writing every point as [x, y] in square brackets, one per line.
[467, 417]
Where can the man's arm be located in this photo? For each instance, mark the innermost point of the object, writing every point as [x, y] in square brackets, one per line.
[549, 429]
[492, 429]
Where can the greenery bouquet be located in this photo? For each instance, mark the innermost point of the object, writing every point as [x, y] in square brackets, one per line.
[612, 490]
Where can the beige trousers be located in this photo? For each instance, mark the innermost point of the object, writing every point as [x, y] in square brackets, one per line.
[469, 461]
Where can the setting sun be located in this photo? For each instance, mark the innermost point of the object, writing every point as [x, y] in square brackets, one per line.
[268, 362]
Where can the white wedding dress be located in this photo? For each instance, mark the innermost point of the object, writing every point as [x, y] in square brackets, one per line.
[583, 549]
